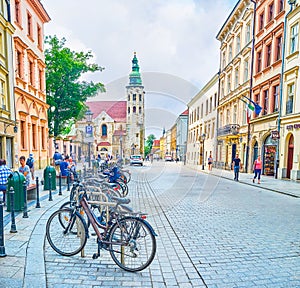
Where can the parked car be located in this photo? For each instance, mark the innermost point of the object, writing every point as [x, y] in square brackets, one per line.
[136, 159]
[168, 158]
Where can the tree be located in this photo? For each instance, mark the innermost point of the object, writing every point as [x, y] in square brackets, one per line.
[149, 144]
[66, 94]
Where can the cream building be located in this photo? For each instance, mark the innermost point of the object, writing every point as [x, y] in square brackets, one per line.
[289, 122]
[235, 38]
[201, 140]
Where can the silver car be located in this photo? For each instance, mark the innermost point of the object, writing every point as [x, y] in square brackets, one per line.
[136, 159]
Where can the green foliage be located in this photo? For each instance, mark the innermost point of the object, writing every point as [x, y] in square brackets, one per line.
[65, 91]
[149, 144]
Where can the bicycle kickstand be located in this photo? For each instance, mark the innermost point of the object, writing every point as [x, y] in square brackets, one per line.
[96, 255]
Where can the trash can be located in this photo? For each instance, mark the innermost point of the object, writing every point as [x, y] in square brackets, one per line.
[51, 170]
[16, 181]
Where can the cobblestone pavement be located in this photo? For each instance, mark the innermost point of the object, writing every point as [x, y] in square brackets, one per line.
[212, 232]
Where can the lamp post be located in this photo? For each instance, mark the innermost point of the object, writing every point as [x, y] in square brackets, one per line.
[89, 132]
[202, 138]
[52, 124]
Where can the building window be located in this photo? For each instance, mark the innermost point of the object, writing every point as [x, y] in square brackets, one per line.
[18, 12]
[238, 44]
[230, 53]
[222, 89]
[290, 99]
[227, 116]
[280, 6]
[261, 21]
[140, 97]
[258, 69]
[206, 107]
[134, 97]
[274, 107]
[133, 109]
[210, 104]
[31, 73]
[268, 56]
[19, 63]
[3, 95]
[271, 12]
[128, 97]
[278, 47]
[234, 119]
[265, 102]
[43, 138]
[34, 137]
[104, 130]
[140, 110]
[201, 110]
[128, 110]
[215, 100]
[23, 134]
[228, 84]
[246, 70]
[248, 33]
[236, 78]
[41, 80]
[221, 119]
[224, 60]
[198, 110]
[29, 25]
[294, 39]
[39, 36]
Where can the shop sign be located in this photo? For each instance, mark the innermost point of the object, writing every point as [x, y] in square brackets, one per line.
[275, 135]
[297, 126]
[289, 127]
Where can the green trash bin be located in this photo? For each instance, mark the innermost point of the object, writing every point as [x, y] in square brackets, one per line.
[49, 170]
[16, 181]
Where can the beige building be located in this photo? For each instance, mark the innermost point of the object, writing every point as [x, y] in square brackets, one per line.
[29, 18]
[201, 141]
[235, 38]
[8, 125]
[289, 119]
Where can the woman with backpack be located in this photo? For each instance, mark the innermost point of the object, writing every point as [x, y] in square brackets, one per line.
[30, 164]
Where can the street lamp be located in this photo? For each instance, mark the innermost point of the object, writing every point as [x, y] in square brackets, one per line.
[202, 138]
[89, 132]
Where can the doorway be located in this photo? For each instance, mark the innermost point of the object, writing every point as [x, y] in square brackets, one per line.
[290, 157]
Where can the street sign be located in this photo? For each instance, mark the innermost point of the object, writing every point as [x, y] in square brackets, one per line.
[89, 129]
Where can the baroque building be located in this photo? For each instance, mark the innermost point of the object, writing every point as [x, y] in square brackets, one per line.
[29, 17]
[8, 123]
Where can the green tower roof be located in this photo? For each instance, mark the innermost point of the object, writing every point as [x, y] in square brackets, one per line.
[135, 76]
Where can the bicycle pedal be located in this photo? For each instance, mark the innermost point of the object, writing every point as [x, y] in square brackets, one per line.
[95, 255]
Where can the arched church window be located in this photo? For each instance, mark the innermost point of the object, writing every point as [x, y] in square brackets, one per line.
[133, 109]
[104, 130]
[140, 110]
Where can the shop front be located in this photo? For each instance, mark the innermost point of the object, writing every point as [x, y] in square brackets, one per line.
[269, 157]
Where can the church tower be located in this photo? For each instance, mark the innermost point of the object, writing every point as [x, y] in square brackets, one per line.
[135, 112]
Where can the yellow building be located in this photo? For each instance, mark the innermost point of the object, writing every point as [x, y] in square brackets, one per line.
[289, 119]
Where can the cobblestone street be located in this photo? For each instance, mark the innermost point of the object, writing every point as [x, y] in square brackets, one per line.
[212, 232]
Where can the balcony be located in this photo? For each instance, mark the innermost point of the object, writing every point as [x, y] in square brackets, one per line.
[230, 129]
[289, 107]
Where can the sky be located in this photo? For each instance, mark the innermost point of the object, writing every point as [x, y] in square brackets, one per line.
[175, 42]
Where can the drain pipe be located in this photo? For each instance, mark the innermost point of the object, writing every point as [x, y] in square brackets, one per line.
[292, 3]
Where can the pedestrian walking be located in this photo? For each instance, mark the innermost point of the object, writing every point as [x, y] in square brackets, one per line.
[210, 162]
[82, 159]
[64, 166]
[30, 164]
[57, 159]
[236, 166]
[257, 166]
[25, 170]
[4, 173]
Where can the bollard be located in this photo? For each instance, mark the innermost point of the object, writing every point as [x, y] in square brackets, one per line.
[25, 214]
[68, 181]
[2, 247]
[50, 192]
[59, 182]
[37, 193]
[13, 228]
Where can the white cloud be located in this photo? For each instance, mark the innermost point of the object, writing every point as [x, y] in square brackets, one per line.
[176, 37]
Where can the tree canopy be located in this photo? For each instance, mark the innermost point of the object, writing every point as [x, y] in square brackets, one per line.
[149, 144]
[66, 94]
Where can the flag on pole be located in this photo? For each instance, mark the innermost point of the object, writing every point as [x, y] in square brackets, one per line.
[257, 108]
[249, 109]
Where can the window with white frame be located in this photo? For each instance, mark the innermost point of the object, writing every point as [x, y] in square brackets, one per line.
[228, 116]
[230, 53]
[290, 98]
[248, 33]
[238, 44]
[246, 70]
[236, 77]
[2, 95]
[228, 84]
[234, 116]
[294, 38]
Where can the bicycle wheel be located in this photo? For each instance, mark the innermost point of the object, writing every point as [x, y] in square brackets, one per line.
[133, 245]
[68, 238]
[69, 205]
[124, 187]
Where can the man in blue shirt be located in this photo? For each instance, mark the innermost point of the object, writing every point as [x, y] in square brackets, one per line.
[236, 165]
[4, 173]
[64, 165]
